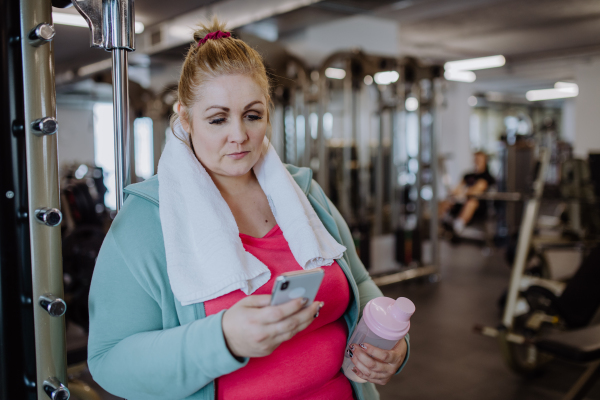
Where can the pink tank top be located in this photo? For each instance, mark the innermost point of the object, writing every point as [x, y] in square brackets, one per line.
[308, 366]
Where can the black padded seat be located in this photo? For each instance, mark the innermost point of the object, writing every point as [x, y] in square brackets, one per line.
[581, 345]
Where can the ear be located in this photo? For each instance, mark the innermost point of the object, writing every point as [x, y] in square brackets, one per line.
[183, 113]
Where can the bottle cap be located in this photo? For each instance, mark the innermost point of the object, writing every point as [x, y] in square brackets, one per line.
[389, 318]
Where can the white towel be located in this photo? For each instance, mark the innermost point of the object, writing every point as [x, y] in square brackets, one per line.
[205, 255]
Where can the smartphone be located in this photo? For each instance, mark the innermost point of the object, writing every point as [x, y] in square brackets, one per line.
[292, 285]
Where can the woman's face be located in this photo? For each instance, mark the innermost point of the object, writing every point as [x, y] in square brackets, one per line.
[229, 124]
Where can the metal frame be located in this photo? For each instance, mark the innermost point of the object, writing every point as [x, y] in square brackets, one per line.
[17, 343]
[43, 192]
[525, 234]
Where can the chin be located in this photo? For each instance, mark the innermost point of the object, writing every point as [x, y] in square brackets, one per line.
[237, 170]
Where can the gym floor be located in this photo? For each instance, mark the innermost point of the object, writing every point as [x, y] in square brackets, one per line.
[449, 361]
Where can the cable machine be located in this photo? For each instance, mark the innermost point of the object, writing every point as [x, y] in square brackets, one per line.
[32, 326]
[366, 126]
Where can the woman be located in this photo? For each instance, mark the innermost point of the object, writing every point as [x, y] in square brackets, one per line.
[170, 321]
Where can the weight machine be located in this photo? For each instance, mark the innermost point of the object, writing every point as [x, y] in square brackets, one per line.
[32, 327]
[371, 155]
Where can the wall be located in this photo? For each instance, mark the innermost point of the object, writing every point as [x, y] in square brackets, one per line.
[454, 130]
[75, 133]
[587, 113]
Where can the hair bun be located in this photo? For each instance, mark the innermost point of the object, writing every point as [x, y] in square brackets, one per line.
[204, 29]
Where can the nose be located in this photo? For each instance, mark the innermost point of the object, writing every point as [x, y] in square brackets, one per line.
[238, 133]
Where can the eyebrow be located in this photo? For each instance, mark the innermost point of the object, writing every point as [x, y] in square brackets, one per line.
[252, 103]
[227, 108]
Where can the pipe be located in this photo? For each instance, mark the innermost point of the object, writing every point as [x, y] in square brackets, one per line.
[120, 120]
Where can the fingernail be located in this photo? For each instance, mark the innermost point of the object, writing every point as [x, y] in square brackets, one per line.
[363, 346]
[322, 304]
[352, 347]
[350, 354]
[304, 301]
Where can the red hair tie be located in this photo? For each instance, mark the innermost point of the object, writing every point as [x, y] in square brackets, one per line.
[213, 35]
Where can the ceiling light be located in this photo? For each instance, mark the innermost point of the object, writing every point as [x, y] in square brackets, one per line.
[386, 77]
[475, 63]
[77, 20]
[567, 86]
[561, 90]
[460, 76]
[472, 101]
[335, 73]
[411, 104]
[368, 80]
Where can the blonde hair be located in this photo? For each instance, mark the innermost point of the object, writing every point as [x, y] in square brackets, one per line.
[214, 58]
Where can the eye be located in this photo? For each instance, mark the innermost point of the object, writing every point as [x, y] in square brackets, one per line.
[253, 117]
[217, 121]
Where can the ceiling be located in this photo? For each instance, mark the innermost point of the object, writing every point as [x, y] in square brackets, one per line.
[539, 38]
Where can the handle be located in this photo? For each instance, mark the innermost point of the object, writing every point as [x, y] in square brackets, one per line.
[56, 390]
[55, 306]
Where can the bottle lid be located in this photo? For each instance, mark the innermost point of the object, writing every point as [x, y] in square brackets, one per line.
[389, 318]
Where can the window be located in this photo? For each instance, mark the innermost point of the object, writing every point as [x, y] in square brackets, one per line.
[144, 147]
[104, 149]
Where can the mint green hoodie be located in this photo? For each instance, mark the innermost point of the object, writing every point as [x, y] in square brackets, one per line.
[143, 343]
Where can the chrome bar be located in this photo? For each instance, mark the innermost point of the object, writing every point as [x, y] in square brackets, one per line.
[120, 120]
[112, 26]
[43, 188]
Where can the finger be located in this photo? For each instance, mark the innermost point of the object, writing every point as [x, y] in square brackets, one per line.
[372, 380]
[385, 356]
[366, 373]
[282, 337]
[256, 301]
[297, 322]
[275, 314]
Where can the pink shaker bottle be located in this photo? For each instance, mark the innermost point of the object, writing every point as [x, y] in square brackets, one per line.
[384, 322]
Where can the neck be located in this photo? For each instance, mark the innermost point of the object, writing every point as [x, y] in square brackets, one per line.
[232, 185]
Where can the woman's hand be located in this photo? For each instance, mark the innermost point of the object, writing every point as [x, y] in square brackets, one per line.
[254, 328]
[376, 365]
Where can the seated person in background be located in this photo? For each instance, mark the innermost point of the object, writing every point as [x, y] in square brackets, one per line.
[461, 205]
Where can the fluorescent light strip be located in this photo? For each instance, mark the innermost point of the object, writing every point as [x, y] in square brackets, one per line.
[386, 77]
[460, 76]
[335, 73]
[474, 64]
[77, 20]
[561, 90]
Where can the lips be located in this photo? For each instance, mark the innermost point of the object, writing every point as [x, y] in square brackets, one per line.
[238, 156]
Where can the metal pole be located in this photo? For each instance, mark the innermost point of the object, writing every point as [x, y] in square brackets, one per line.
[435, 136]
[43, 212]
[525, 234]
[323, 148]
[112, 24]
[120, 119]
[348, 141]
